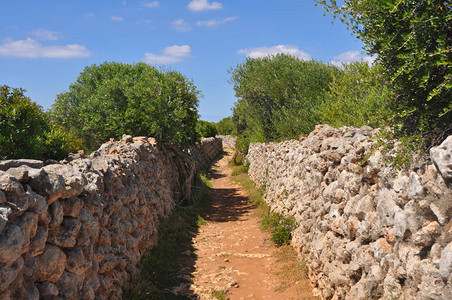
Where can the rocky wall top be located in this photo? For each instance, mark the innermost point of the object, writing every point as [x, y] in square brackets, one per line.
[366, 229]
[77, 229]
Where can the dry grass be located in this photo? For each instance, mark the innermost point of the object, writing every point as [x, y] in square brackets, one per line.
[291, 269]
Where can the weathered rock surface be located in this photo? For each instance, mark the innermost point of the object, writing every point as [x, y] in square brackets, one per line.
[228, 140]
[442, 157]
[77, 229]
[15, 163]
[366, 229]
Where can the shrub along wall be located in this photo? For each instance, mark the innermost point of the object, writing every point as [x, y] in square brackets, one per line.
[77, 229]
[366, 229]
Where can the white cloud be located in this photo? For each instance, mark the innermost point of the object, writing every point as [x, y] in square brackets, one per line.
[177, 51]
[153, 4]
[215, 22]
[180, 25]
[351, 56]
[45, 35]
[268, 51]
[89, 16]
[30, 48]
[169, 55]
[200, 5]
[117, 19]
[144, 22]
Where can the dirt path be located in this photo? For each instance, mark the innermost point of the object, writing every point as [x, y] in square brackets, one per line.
[234, 257]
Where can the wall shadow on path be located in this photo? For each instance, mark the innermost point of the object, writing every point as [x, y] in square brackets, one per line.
[226, 204]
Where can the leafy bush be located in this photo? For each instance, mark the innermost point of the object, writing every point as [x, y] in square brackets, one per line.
[57, 143]
[242, 144]
[226, 127]
[280, 227]
[282, 234]
[206, 129]
[113, 99]
[279, 96]
[412, 41]
[26, 131]
[21, 125]
[359, 96]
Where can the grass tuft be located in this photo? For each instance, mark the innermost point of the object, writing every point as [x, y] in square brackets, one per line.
[219, 294]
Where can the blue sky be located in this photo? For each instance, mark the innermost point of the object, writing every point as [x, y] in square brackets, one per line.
[44, 45]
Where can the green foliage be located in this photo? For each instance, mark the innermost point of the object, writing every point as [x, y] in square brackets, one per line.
[243, 143]
[238, 159]
[113, 99]
[280, 228]
[21, 125]
[412, 40]
[241, 169]
[26, 131]
[226, 127]
[359, 96]
[278, 96]
[400, 152]
[206, 129]
[57, 143]
[219, 294]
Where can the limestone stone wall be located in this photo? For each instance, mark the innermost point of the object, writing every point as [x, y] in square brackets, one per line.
[77, 229]
[228, 140]
[367, 231]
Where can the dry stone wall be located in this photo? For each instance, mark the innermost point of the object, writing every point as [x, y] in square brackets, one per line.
[228, 141]
[367, 231]
[76, 230]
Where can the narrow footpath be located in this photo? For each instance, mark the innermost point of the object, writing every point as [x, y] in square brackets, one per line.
[235, 258]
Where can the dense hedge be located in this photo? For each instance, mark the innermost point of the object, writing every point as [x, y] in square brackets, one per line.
[282, 97]
[278, 96]
[113, 99]
[359, 95]
[206, 129]
[226, 126]
[26, 130]
[412, 41]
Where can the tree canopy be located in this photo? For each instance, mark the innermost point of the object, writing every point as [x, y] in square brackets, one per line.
[113, 99]
[26, 130]
[206, 129]
[360, 95]
[226, 127]
[413, 42]
[278, 96]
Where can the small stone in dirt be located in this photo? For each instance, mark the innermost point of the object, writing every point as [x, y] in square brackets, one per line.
[226, 260]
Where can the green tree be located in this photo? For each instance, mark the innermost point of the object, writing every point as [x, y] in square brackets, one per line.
[360, 96]
[22, 123]
[26, 130]
[279, 96]
[413, 42]
[226, 126]
[113, 99]
[206, 129]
